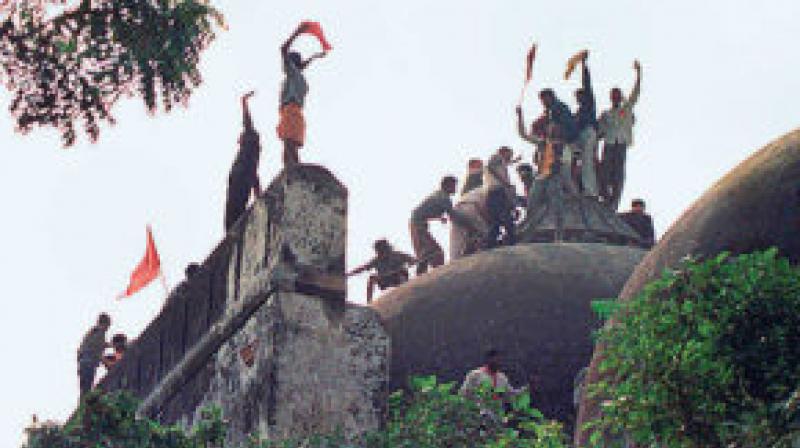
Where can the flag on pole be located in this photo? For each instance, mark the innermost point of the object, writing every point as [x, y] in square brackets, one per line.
[315, 29]
[528, 72]
[529, 63]
[148, 269]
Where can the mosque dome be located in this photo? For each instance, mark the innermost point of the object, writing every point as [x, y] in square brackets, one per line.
[754, 207]
[530, 301]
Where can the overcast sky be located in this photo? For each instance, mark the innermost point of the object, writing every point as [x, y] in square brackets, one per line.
[411, 90]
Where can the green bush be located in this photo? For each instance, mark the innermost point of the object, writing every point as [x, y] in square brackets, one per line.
[706, 356]
[109, 420]
[432, 415]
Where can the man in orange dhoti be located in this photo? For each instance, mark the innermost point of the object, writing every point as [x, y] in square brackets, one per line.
[292, 126]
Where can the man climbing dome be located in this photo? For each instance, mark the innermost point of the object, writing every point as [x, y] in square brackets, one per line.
[243, 177]
[499, 197]
[616, 129]
[467, 240]
[428, 252]
[641, 222]
[586, 124]
[474, 177]
[391, 268]
[292, 126]
[90, 352]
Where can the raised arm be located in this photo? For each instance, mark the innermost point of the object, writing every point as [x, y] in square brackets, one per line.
[521, 129]
[586, 79]
[316, 56]
[290, 40]
[363, 268]
[247, 121]
[634, 96]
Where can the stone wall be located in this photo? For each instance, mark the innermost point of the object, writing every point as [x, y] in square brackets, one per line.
[263, 330]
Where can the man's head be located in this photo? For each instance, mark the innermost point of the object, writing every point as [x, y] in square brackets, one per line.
[448, 184]
[475, 165]
[637, 205]
[296, 59]
[506, 153]
[582, 97]
[119, 342]
[104, 321]
[548, 97]
[525, 172]
[492, 360]
[382, 246]
[616, 96]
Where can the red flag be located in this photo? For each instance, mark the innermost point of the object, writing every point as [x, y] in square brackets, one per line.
[315, 29]
[147, 270]
[529, 65]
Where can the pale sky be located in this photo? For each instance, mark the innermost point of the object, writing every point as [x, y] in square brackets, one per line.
[411, 90]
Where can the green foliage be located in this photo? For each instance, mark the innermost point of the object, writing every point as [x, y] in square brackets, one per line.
[72, 68]
[110, 421]
[706, 356]
[432, 415]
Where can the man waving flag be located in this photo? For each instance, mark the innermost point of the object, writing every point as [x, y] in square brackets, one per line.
[147, 270]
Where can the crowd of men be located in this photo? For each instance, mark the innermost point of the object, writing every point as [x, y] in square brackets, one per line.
[566, 148]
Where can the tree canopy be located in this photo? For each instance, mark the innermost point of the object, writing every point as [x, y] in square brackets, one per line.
[67, 63]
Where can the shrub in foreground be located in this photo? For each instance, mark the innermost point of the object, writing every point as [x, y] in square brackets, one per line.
[706, 356]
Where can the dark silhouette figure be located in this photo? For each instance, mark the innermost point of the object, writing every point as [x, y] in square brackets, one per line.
[90, 352]
[243, 177]
[641, 222]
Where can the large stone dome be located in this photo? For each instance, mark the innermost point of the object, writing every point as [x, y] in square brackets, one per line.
[531, 301]
[754, 207]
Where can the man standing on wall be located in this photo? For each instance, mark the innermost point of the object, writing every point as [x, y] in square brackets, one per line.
[616, 129]
[243, 177]
[90, 353]
[292, 125]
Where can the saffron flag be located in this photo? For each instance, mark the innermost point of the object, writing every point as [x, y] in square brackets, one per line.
[529, 65]
[148, 269]
[573, 62]
[315, 29]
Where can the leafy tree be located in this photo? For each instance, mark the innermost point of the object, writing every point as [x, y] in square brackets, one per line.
[433, 416]
[69, 68]
[706, 356]
[109, 420]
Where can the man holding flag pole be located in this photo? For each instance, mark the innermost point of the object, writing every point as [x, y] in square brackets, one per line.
[292, 126]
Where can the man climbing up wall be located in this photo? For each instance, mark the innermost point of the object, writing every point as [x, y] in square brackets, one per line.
[243, 177]
[90, 352]
[292, 126]
[390, 266]
[435, 206]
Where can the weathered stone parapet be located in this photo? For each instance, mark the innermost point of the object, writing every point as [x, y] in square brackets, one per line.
[263, 330]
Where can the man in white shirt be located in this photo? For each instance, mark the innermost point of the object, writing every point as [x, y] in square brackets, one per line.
[489, 375]
[616, 128]
[499, 196]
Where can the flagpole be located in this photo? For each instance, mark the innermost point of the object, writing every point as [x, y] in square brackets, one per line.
[163, 282]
